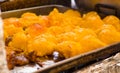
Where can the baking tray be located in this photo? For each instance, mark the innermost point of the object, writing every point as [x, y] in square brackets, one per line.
[39, 10]
[103, 7]
[66, 64]
[20, 4]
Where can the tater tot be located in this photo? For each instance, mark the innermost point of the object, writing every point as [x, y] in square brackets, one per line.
[92, 20]
[69, 48]
[108, 34]
[112, 20]
[42, 45]
[19, 41]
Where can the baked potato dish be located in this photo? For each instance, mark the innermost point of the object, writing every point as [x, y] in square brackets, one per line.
[32, 38]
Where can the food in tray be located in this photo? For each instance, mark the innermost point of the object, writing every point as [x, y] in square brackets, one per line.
[32, 38]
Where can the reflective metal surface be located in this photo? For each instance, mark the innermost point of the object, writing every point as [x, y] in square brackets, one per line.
[106, 5]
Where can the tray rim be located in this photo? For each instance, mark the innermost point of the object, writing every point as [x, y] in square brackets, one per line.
[77, 57]
[53, 5]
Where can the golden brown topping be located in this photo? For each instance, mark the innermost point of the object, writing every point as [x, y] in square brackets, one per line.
[32, 38]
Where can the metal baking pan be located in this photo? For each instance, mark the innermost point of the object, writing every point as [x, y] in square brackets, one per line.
[39, 10]
[101, 6]
[19, 4]
[8, 5]
[73, 61]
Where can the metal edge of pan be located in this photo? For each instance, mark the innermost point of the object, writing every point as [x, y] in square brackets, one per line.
[81, 59]
[38, 10]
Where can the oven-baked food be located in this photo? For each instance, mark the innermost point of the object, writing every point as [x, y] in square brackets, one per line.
[32, 38]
